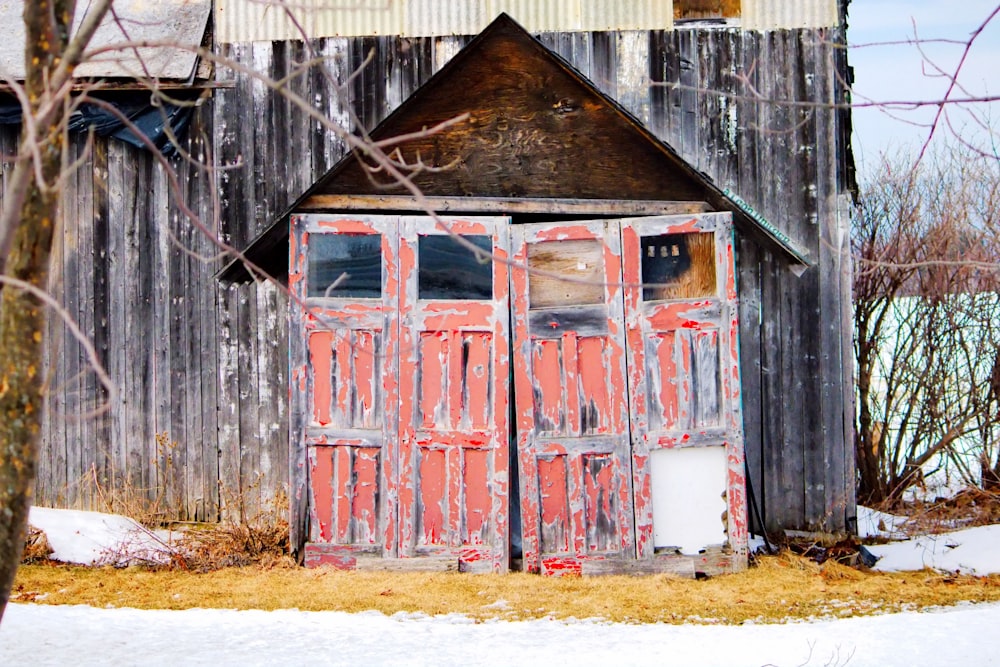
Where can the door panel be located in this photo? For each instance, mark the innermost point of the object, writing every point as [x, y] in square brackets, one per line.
[454, 362]
[345, 313]
[680, 304]
[569, 370]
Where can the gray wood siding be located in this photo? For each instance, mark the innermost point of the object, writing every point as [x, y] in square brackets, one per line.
[207, 364]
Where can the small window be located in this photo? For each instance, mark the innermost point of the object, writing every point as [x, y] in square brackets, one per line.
[345, 266]
[450, 269]
[551, 262]
[706, 9]
[678, 266]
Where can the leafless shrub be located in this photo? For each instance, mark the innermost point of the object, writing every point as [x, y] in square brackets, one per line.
[927, 322]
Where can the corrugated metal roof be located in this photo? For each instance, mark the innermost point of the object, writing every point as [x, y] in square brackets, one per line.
[180, 22]
[257, 20]
[777, 14]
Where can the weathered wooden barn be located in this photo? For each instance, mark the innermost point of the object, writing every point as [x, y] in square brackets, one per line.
[709, 111]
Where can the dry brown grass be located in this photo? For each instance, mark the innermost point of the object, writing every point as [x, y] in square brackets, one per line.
[779, 588]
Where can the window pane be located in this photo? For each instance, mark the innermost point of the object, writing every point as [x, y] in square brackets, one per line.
[345, 265]
[580, 260]
[450, 270]
[678, 266]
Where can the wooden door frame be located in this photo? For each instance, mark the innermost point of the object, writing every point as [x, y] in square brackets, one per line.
[617, 439]
[309, 314]
[733, 555]
[495, 437]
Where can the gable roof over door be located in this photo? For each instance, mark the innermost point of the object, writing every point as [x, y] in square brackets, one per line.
[530, 126]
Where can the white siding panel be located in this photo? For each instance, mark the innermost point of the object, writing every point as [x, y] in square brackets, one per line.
[256, 20]
[425, 18]
[790, 14]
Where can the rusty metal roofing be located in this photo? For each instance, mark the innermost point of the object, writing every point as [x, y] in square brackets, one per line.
[263, 20]
[179, 22]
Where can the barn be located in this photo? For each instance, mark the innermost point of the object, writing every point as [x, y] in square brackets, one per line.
[655, 355]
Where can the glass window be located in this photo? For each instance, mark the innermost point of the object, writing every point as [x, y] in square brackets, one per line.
[345, 266]
[451, 270]
[550, 262]
[678, 266]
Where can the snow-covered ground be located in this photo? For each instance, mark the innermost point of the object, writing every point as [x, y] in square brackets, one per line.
[79, 635]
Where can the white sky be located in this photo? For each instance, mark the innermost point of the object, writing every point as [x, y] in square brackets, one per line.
[902, 72]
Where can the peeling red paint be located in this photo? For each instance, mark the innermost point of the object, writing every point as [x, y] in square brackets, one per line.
[475, 516]
[319, 356]
[553, 505]
[322, 484]
[433, 483]
[478, 380]
[549, 386]
[344, 226]
[562, 567]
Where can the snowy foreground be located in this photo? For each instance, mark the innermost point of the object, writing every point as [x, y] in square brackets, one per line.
[79, 635]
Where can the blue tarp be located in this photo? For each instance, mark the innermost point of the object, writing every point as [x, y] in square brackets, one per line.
[150, 120]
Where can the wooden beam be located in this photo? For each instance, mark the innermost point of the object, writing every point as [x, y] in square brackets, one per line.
[508, 205]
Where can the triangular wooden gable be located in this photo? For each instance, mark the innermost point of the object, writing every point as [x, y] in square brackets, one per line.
[531, 127]
[535, 128]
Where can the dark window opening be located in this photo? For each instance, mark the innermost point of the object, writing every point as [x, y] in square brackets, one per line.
[678, 266]
[345, 266]
[451, 270]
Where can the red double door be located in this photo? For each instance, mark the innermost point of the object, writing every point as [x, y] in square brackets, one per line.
[402, 386]
[624, 364]
[629, 430]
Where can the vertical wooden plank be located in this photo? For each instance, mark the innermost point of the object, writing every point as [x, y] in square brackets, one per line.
[248, 487]
[116, 277]
[139, 415]
[604, 63]
[272, 355]
[327, 82]
[297, 382]
[662, 70]
[53, 452]
[751, 371]
[86, 442]
[73, 370]
[101, 400]
[202, 355]
[229, 398]
[166, 414]
[229, 146]
[632, 75]
[687, 133]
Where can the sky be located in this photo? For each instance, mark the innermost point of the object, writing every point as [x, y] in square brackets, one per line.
[905, 72]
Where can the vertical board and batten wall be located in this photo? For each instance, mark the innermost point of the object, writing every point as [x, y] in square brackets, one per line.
[206, 364]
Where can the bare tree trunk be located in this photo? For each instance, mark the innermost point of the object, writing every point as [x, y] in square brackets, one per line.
[22, 315]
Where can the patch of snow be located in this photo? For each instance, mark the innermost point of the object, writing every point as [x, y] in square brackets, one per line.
[93, 538]
[79, 635]
[872, 523]
[973, 551]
